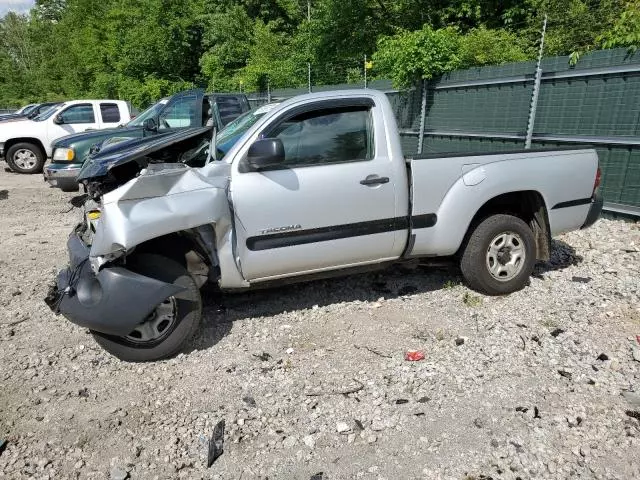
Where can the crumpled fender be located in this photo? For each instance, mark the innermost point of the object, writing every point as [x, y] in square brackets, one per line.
[114, 301]
[166, 199]
[159, 203]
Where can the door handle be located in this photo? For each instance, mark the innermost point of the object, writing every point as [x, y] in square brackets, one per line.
[374, 180]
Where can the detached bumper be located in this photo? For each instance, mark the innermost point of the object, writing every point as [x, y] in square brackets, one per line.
[595, 210]
[112, 302]
[62, 175]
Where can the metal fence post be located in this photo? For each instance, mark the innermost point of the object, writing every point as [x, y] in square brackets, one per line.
[268, 90]
[536, 90]
[423, 114]
[309, 76]
[365, 70]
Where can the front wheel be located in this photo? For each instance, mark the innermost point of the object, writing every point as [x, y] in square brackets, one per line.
[499, 256]
[25, 158]
[171, 325]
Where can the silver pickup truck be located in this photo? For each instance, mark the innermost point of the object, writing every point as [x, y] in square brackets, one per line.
[317, 186]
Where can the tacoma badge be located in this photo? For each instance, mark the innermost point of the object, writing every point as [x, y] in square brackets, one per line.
[286, 228]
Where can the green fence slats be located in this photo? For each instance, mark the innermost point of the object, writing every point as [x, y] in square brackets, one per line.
[602, 105]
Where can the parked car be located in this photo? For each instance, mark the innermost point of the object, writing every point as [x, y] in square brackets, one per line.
[26, 144]
[23, 110]
[192, 149]
[192, 108]
[318, 186]
[29, 111]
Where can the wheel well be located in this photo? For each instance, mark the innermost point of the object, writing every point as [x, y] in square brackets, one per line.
[527, 205]
[11, 142]
[181, 247]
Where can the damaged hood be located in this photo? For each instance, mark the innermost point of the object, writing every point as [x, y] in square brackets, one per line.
[133, 150]
[96, 136]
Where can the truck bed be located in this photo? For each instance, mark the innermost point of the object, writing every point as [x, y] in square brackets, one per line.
[449, 188]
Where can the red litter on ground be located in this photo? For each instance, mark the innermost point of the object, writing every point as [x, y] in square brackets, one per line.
[638, 339]
[413, 355]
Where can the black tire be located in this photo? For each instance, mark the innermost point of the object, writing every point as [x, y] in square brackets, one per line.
[20, 149]
[477, 258]
[68, 186]
[188, 308]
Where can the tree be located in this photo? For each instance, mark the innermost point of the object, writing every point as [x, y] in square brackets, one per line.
[482, 46]
[423, 54]
[625, 31]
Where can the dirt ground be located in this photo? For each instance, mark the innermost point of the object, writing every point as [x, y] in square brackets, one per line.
[311, 381]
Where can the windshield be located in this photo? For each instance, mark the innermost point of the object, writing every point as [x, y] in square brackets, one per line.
[150, 112]
[34, 113]
[242, 123]
[48, 112]
[28, 109]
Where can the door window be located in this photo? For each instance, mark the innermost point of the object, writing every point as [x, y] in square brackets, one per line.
[110, 113]
[230, 108]
[181, 113]
[82, 113]
[333, 135]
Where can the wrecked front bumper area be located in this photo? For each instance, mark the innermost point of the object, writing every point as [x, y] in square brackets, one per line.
[113, 301]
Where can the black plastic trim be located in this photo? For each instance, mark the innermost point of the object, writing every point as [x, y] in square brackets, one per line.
[321, 104]
[337, 232]
[113, 301]
[595, 210]
[374, 181]
[427, 220]
[572, 203]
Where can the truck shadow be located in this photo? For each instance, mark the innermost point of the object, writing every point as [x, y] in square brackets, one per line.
[562, 256]
[220, 311]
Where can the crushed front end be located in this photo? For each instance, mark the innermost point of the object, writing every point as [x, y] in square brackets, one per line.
[112, 300]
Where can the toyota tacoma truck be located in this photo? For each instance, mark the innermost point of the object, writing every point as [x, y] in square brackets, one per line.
[318, 186]
[191, 108]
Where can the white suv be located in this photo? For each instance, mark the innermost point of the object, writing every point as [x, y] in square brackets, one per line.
[26, 144]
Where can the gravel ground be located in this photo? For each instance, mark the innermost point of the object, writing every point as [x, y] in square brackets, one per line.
[311, 379]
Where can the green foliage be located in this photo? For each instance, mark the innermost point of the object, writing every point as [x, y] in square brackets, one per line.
[471, 300]
[625, 31]
[482, 46]
[145, 49]
[423, 54]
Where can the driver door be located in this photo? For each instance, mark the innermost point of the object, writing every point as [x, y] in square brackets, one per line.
[73, 119]
[320, 210]
[184, 110]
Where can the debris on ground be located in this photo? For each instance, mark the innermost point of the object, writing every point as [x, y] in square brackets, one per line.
[67, 407]
[414, 355]
[216, 443]
[118, 473]
[581, 279]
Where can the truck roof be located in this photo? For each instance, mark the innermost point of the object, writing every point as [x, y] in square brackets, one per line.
[352, 92]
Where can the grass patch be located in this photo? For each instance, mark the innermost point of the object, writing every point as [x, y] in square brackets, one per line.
[471, 300]
[450, 285]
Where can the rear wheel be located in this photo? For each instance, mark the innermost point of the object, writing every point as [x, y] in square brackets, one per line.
[171, 325]
[499, 256]
[25, 157]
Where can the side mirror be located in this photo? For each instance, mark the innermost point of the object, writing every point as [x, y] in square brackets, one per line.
[265, 153]
[58, 120]
[150, 124]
